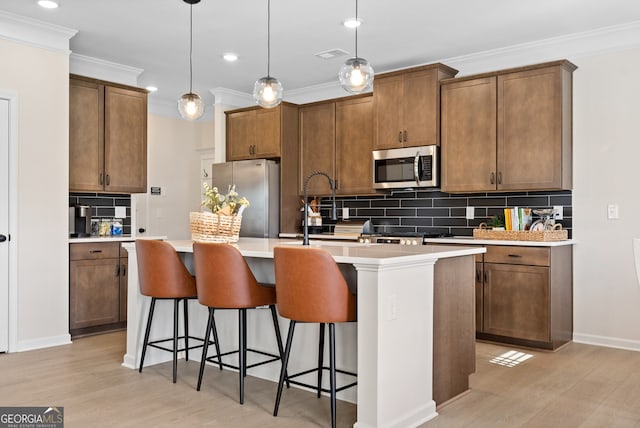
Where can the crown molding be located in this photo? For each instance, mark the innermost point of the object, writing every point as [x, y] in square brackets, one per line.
[165, 108]
[35, 33]
[322, 91]
[104, 70]
[571, 46]
[230, 97]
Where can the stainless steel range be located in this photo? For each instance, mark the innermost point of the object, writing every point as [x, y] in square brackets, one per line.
[399, 238]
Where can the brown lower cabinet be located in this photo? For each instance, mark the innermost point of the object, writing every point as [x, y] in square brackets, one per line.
[97, 287]
[524, 295]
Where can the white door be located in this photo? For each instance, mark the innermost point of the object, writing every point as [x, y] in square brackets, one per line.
[4, 225]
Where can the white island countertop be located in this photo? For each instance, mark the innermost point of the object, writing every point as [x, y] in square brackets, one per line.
[393, 344]
[347, 251]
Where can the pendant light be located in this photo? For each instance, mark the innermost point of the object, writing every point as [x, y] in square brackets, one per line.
[356, 75]
[268, 90]
[190, 105]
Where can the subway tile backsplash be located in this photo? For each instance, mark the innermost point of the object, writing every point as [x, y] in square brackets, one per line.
[103, 206]
[433, 211]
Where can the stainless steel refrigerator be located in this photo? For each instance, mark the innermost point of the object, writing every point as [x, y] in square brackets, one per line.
[259, 181]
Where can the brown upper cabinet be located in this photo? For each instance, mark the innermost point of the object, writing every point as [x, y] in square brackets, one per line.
[406, 106]
[508, 130]
[336, 137]
[107, 137]
[256, 132]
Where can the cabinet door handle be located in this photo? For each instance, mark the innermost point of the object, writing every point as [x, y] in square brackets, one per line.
[123, 270]
[94, 251]
[400, 137]
[486, 276]
[500, 177]
[117, 270]
[405, 135]
[478, 276]
[101, 179]
[492, 178]
[108, 180]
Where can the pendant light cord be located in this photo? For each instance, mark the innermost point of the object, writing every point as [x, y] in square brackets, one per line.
[191, 48]
[268, 38]
[357, 25]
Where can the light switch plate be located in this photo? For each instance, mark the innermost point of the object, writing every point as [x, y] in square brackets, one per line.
[613, 212]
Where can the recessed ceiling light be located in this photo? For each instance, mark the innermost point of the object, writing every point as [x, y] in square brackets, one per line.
[231, 57]
[151, 88]
[351, 22]
[48, 4]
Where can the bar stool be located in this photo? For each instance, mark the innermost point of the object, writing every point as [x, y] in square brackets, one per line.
[163, 276]
[311, 288]
[224, 281]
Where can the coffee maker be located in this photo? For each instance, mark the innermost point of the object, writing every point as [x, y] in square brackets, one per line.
[79, 221]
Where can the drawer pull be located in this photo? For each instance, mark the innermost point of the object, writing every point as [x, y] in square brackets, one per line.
[94, 251]
[515, 255]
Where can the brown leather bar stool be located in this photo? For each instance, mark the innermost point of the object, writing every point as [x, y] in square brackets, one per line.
[310, 288]
[224, 281]
[162, 275]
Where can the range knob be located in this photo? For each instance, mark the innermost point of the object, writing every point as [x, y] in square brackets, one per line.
[403, 242]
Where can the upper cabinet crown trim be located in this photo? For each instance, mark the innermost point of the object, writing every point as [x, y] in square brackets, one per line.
[568, 65]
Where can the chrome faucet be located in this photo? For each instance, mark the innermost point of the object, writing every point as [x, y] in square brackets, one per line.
[334, 215]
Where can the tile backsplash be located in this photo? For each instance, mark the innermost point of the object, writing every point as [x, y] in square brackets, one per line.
[433, 211]
[104, 206]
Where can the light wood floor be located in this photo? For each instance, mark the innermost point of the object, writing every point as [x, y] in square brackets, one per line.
[577, 386]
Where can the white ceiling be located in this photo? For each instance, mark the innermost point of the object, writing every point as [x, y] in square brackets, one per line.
[153, 35]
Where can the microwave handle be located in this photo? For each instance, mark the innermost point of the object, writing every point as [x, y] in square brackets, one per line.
[416, 163]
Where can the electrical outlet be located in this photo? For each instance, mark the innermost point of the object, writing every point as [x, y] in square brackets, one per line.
[470, 213]
[345, 213]
[392, 307]
[613, 212]
[121, 212]
[559, 209]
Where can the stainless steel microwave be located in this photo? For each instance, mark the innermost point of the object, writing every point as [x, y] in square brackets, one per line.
[406, 167]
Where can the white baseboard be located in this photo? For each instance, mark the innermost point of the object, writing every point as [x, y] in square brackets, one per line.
[43, 342]
[609, 342]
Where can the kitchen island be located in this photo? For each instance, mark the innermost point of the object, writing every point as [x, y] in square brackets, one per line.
[395, 328]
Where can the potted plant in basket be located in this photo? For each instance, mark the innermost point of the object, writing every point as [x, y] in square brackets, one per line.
[222, 223]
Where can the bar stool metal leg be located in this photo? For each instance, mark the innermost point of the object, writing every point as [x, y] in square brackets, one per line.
[320, 358]
[186, 329]
[285, 361]
[210, 326]
[276, 327]
[242, 362]
[332, 371]
[146, 333]
[176, 303]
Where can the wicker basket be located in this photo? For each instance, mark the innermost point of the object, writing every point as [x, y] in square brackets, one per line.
[208, 227]
[521, 235]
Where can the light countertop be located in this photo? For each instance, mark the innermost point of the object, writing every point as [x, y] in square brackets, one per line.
[348, 252]
[122, 238]
[470, 241]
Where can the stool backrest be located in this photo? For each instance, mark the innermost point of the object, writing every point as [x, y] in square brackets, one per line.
[310, 286]
[224, 280]
[161, 272]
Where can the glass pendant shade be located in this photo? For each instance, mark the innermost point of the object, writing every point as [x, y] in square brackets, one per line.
[356, 75]
[268, 92]
[190, 106]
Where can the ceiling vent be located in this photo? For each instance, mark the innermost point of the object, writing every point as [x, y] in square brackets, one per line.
[332, 53]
